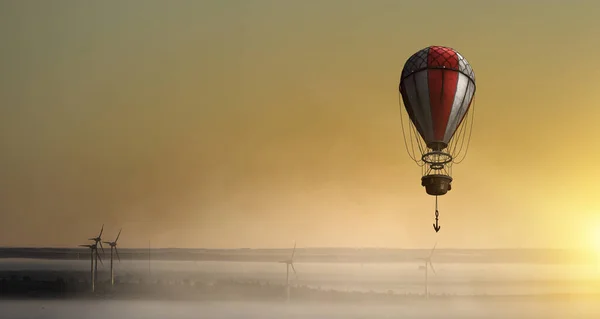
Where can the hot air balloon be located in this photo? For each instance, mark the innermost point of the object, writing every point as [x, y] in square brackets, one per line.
[437, 86]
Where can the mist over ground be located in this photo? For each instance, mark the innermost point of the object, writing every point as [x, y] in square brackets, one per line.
[59, 288]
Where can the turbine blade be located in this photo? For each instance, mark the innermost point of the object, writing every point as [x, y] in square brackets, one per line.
[117, 252]
[106, 242]
[118, 235]
[294, 269]
[101, 231]
[431, 266]
[91, 238]
[99, 258]
[431, 253]
[101, 247]
[293, 251]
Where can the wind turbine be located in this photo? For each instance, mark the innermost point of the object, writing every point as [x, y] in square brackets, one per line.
[98, 241]
[289, 263]
[92, 275]
[113, 246]
[427, 261]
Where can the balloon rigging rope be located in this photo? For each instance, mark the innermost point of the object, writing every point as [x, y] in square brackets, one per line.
[460, 136]
[470, 131]
[422, 148]
[403, 132]
[411, 151]
[471, 118]
[462, 142]
[455, 138]
[412, 139]
[416, 140]
[454, 144]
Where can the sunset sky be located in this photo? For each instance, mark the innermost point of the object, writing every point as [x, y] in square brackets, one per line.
[225, 124]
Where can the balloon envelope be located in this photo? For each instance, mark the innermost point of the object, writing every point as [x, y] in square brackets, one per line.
[437, 86]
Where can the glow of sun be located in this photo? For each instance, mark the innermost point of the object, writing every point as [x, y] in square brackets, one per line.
[593, 242]
[595, 239]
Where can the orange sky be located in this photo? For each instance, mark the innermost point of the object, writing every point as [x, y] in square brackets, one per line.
[228, 124]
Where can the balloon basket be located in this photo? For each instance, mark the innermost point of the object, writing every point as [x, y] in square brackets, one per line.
[436, 184]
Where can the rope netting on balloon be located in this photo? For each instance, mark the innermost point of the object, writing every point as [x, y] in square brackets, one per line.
[457, 147]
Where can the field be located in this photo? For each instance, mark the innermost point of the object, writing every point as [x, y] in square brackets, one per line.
[462, 309]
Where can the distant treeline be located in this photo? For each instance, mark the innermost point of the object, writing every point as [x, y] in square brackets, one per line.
[368, 255]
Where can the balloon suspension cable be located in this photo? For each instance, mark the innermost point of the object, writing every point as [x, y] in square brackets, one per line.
[436, 226]
[468, 122]
[413, 136]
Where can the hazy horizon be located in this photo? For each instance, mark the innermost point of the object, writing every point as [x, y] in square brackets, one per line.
[228, 124]
[307, 247]
[438, 248]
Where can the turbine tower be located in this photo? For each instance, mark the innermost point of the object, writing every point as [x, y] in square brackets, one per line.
[113, 246]
[92, 275]
[289, 263]
[98, 241]
[427, 261]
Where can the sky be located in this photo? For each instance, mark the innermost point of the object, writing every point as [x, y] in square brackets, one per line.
[226, 124]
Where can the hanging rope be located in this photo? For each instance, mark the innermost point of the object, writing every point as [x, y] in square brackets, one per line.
[437, 213]
[436, 226]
